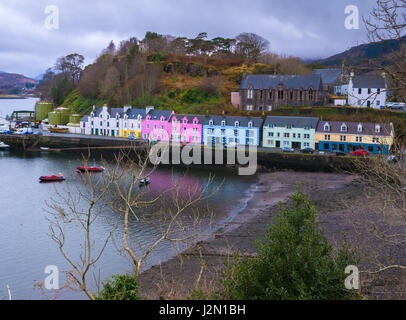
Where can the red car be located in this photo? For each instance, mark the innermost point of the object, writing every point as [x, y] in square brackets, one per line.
[360, 152]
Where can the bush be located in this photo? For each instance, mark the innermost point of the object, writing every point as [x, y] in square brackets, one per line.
[294, 263]
[121, 287]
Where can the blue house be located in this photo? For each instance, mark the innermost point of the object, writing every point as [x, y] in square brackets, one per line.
[224, 130]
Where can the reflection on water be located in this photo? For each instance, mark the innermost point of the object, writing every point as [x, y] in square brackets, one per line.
[25, 247]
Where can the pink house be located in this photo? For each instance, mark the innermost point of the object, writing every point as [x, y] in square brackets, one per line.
[157, 126]
[186, 128]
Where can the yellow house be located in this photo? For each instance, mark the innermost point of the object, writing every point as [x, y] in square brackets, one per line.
[131, 123]
[349, 136]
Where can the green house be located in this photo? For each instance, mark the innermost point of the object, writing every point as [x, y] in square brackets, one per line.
[290, 132]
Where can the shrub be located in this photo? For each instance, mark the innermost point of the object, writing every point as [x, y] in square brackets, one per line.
[294, 262]
[121, 287]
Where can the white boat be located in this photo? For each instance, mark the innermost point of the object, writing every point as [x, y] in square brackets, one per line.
[3, 145]
[144, 181]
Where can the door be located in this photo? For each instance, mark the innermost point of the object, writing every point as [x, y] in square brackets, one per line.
[278, 144]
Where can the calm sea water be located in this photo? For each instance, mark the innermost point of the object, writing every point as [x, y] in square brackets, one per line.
[26, 248]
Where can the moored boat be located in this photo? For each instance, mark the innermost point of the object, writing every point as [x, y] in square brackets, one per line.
[57, 130]
[3, 145]
[144, 182]
[95, 169]
[52, 178]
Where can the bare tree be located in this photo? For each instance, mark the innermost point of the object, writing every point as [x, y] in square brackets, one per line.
[175, 213]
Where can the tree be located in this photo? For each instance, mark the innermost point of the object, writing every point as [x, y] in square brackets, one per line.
[386, 27]
[294, 262]
[174, 213]
[250, 45]
[72, 65]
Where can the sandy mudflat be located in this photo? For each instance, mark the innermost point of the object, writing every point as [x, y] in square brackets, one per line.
[176, 278]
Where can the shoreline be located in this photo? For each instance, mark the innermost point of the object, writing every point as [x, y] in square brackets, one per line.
[177, 277]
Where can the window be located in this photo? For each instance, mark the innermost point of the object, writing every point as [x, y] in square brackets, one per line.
[307, 144]
[326, 127]
[359, 139]
[343, 138]
[306, 136]
[343, 128]
[236, 124]
[236, 132]
[301, 95]
[280, 94]
[311, 94]
[223, 123]
[294, 135]
[378, 128]
[270, 94]
[359, 91]
[223, 132]
[270, 134]
[375, 140]
[299, 135]
[210, 122]
[250, 94]
[369, 90]
[250, 124]
[289, 126]
[327, 137]
[286, 135]
[250, 107]
[360, 128]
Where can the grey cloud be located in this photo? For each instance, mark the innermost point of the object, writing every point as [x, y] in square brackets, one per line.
[309, 29]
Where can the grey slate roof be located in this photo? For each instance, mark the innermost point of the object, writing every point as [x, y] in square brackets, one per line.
[133, 113]
[372, 82]
[295, 122]
[84, 119]
[190, 117]
[352, 128]
[156, 114]
[296, 82]
[112, 111]
[328, 76]
[230, 121]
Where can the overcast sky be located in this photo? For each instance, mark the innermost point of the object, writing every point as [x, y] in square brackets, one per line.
[304, 28]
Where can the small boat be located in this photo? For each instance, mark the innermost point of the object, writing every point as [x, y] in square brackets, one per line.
[95, 169]
[57, 130]
[3, 146]
[52, 178]
[144, 182]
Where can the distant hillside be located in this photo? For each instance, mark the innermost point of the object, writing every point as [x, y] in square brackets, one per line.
[12, 83]
[366, 56]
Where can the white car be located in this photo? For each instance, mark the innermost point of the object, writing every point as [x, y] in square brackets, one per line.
[395, 105]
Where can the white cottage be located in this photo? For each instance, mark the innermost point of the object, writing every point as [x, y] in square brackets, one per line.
[367, 91]
[103, 121]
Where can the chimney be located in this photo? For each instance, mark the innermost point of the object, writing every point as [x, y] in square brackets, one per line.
[149, 109]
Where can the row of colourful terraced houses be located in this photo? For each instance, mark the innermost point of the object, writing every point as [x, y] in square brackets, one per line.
[271, 132]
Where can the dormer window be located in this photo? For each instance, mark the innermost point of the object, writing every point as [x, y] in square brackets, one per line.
[289, 126]
[223, 123]
[327, 127]
[378, 128]
[344, 128]
[250, 124]
[236, 124]
[139, 117]
[184, 121]
[360, 127]
[195, 121]
[210, 122]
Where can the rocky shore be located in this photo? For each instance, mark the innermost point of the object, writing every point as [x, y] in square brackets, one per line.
[176, 278]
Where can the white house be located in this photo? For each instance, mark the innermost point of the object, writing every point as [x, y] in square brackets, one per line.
[103, 121]
[367, 91]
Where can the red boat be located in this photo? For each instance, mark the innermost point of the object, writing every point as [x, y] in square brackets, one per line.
[89, 169]
[52, 178]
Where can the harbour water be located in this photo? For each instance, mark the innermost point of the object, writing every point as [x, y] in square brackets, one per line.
[25, 246]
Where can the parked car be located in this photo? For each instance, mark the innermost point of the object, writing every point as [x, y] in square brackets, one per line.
[286, 149]
[395, 105]
[341, 153]
[307, 150]
[132, 138]
[7, 132]
[360, 152]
